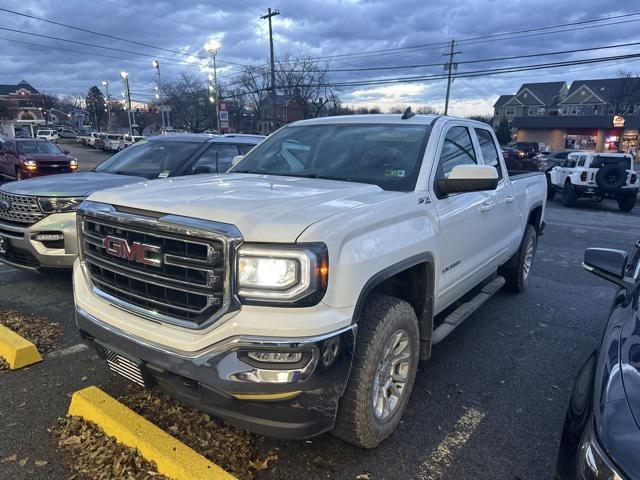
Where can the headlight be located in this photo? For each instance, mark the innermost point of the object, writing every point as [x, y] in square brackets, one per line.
[59, 205]
[30, 163]
[593, 463]
[294, 275]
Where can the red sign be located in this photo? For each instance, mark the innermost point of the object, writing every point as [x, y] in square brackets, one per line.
[223, 106]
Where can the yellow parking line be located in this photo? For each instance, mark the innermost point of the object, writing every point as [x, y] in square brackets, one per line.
[16, 350]
[173, 458]
[436, 465]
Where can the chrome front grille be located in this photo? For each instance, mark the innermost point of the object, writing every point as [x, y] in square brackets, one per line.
[22, 209]
[183, 277]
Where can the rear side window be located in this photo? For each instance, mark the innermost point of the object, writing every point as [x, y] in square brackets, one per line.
[217, 158]
[488, 149]
[457, 149]
[581, 160]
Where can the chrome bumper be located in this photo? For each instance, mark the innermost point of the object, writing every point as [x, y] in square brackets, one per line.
[28, 253]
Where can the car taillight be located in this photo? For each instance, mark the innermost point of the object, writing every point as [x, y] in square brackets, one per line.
[634, 178]
[583, 177]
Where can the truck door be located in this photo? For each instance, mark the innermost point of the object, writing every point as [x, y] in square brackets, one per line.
[500, 218]
[463, 235]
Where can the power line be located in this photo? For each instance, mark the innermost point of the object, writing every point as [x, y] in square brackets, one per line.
[113, 37]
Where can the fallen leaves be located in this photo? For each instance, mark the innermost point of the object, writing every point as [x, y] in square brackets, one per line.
[10, 458]
[226, 446]
[37, 329]
[89, 454]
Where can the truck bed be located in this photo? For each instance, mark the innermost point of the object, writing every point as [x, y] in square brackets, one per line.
[520, 174]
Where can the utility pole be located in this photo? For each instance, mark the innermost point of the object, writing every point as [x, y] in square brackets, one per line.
[274, 104]
[108, 105]
[125, 79]
[450, 67]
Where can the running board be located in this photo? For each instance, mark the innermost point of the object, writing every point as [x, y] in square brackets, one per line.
[461, 313]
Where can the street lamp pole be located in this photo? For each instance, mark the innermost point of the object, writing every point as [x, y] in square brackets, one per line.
[125, 78]
[106, 85]
[212, 47]
[159, 97]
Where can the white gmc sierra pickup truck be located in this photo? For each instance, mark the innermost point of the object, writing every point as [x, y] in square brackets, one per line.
[297, 293]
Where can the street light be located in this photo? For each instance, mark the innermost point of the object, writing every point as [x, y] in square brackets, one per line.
[212, 46]
[105, 83]
[156, 65]
[125, 79]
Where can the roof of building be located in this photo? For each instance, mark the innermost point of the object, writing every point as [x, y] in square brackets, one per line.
[604, 88]
[574, 121]
[502, 99]
[7, 89]
[547, 92]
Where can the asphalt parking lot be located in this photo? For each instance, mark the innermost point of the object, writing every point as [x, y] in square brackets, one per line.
[88, 158]
[489, 404]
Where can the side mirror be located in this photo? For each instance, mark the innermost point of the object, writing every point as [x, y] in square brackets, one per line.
[469, 178]
[235, 160]
[609, 264]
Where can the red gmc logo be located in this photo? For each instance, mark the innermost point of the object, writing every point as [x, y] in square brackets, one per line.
[136, 251]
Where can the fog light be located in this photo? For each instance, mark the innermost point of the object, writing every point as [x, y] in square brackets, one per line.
[48, 237]
[275, 357]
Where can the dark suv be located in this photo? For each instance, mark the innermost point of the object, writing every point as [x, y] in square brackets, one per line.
[530, 149]
[28, 157]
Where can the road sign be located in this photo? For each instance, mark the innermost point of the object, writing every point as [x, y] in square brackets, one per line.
[224, 116]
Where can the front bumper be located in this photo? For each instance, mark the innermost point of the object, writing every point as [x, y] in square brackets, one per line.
[295, 402]
[27, 253]
[595, 190]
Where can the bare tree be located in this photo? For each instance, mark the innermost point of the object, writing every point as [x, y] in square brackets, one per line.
[189, 101]
[254, 84]
[625, 93]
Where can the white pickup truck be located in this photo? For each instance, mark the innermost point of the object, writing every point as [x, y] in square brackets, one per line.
[296, 294]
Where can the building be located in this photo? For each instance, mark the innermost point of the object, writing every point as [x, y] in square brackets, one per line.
[21, 110]
[531, 100]
[288, 110]
[599, 115]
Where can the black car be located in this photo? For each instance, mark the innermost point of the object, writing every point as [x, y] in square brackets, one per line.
[530, 149]
[601, 436]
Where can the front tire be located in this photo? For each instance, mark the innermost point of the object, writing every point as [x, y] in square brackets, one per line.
[383, 372]
[627, 203]
[517, 270]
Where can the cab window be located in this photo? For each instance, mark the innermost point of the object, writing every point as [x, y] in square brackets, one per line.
[581, 160]
[457, 149]
[488, 148]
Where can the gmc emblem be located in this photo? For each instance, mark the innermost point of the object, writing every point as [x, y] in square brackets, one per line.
[136, 251]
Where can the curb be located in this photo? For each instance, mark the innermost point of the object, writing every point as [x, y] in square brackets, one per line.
[16, 350]
[172, 457]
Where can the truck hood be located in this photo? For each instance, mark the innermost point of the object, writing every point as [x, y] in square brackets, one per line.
[79, 184]
[263, 208]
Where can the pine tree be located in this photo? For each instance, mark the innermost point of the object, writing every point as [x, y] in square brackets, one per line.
[504, 131]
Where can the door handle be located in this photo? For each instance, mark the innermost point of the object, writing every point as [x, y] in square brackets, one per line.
[508, 199]
[486, 206]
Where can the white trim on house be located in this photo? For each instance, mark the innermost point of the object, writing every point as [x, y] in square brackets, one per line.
[593, 94]
[531, 93]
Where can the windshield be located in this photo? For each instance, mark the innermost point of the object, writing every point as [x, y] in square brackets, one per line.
[150, 159]
[27, 148]
[389, 156]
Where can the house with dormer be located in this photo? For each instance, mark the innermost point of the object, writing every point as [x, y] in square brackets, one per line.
[21, 110]
[531, 100]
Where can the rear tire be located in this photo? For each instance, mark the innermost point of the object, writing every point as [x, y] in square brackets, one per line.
[517, 270]
[384, 367]
[569, 196]
[551, 193]
[627, 203]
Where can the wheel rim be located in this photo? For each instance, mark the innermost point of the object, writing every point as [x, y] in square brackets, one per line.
[528, 258]
[392, 375]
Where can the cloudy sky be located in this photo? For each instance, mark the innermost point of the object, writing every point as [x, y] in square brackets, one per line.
[346, 34]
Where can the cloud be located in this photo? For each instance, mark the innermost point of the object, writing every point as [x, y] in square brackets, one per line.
[313, 27]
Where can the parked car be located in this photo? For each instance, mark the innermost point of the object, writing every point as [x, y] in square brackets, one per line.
[45, 207]
[518, 161]
[530, 149]
[48, 134]
[112, 142]
[547, 160]
[87, 139]
[601, 434]
[596, 176]
[27, 158]
[97, 141]
[67, 133]
[331, 246]
[128, 140]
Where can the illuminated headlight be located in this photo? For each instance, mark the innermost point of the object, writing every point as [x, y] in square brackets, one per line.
[30, 164]
[291, 274]
[59, 205]
[73, 164]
